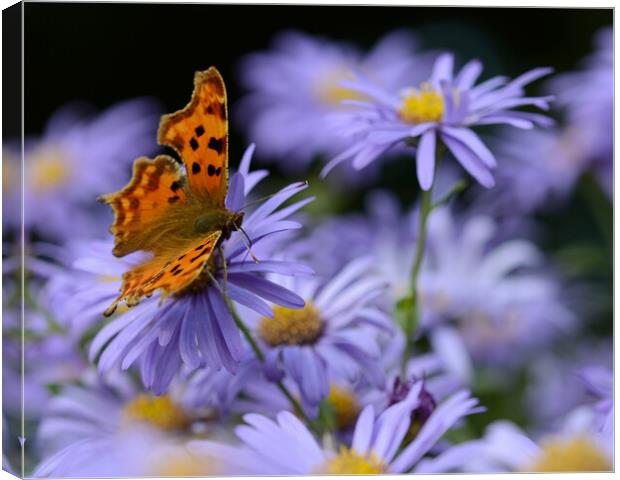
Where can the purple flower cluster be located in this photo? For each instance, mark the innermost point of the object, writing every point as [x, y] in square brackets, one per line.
[351, 337]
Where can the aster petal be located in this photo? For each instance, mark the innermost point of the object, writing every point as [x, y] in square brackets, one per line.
[440, 421]
[468, 75]
[341, 157]
[373, 91]
[370, 367]
[362, 436]
[311, 450]
[236, 193]
[250, 300]
[271, 266]
[442, 69]
[246, 159]
[395, 422]
[188, 349]
[230, 332]
[267, 290]
[449, 346]
[453, 459]
[333, 289]
[425, 160]
[368, 155]
[473, 142]
[474, 166]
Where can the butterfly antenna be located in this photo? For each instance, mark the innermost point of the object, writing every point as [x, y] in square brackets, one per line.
[247, 242]
[267, 197]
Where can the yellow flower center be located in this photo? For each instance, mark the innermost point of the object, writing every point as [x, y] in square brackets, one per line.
[161, 412]
[48, 169]
[291, 326]
[328, 91]
[344, 403]
[424, 105]
[349, 462]
[571, 455]
[183, 464]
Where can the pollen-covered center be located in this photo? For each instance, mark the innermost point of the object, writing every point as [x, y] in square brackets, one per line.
[423, 105]
[345, 405]
[161, 412]
[349, 462]
[570, 455]
[48, 169]
[291, 326]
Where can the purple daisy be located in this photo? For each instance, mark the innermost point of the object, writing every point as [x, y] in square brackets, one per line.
[76, 159]
[295, 85]
[335, 331]
[481, 299]
[587, 97]
[445, 108]
[374, 449]
[197, 329]
[576, 447]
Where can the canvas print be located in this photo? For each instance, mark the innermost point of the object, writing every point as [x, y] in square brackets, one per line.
[332, 240]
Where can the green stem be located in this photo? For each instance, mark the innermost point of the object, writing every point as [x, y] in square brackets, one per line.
[297, 408]
[414, 310]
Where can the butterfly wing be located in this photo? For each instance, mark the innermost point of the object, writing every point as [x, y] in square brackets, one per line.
[199, 134]
[170, 274]
[156, 191]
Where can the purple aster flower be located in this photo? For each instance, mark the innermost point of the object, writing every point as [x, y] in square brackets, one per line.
[375, 446]
[76, 159]
[335, 331]
[294, 86]
[505, 448]
[554, 387]
[482, 299]
[445, 109]
[587, 96]
[110, 428]
[197, 329]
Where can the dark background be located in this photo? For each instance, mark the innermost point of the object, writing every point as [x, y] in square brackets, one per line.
[103, 53]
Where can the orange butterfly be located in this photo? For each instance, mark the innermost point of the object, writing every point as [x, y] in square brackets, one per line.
[178, 216]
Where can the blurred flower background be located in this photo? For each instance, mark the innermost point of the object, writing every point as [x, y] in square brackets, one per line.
[438, 298]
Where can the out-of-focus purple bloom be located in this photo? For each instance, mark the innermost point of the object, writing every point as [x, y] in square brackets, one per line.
[445, 108]
[374, 449]
[599, 382]
[111, 428]
[576, 447]
[537, 171]
[197, 329]
[294, 86]
[335, 331]
[76, 159]
[587, 96]
[554, 387]
[495, 295]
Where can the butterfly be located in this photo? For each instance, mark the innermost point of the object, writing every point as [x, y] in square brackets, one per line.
[175, 213]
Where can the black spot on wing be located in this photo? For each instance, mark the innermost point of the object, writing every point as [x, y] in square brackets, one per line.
[216, 144]
[195, 168]
[200, 131]
[211, 170]
[194, 144]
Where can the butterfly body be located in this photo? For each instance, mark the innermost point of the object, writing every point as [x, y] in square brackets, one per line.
[177, 214]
